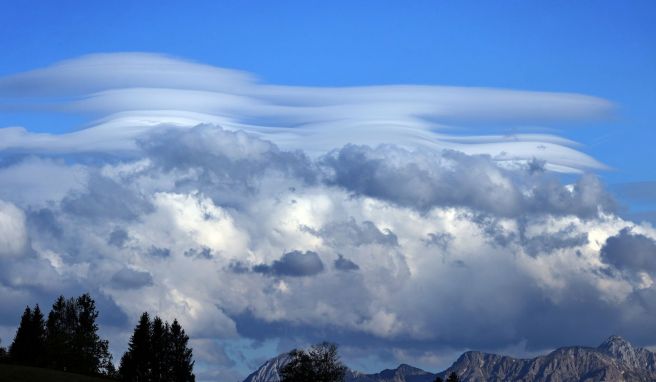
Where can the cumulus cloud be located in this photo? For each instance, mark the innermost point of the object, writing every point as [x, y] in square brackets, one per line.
[220, 215]
[630, 251]
[13, 233]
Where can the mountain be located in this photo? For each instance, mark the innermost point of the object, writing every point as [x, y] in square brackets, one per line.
[268, 372]
[615, 360]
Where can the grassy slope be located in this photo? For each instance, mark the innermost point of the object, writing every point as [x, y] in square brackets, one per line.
[13, 373]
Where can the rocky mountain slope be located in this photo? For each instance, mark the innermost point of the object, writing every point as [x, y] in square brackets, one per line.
[615, 360]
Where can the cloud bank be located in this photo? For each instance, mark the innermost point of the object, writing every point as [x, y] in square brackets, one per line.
[257, 213]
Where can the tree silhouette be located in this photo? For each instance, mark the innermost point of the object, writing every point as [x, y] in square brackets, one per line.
[3, 353]
[438, 379]
[29, 344]
[318, 364]
[181, 356]
[453, 377]
[135, 363]
[72, 340]
[19, 351]
[157, 352]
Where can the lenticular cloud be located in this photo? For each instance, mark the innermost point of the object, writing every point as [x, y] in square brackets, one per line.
[132, 94]
[254, 212]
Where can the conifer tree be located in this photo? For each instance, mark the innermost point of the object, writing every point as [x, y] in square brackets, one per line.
[136, 362]
[37, 338]
[453, 377]
[57, 333]
[19, 351]
[181, 355]
[160, 350]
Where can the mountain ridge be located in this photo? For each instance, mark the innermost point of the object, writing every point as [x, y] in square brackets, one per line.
[616, 360]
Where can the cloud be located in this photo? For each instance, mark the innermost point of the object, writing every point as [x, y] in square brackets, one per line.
[138, 93]
[131, 279]
[294, 264]
[13, 233]
[344, 264]
[255, 211]
[630, 251]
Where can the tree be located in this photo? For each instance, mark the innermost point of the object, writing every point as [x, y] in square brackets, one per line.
[181, 356]
[72, 340]
[135, 363]
[162, 369]
[29, 344]
[318, 364]
[3, 353]
[37, 337]
[438, 379]
[453, 377]
[157, 352]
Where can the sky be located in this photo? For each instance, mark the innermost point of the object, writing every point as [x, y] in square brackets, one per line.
[408, 180]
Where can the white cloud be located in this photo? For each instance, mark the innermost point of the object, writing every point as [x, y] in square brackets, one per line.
[13, 233]
[138, 93]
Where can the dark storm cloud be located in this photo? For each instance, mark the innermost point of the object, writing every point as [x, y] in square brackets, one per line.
[293, 264]
[131, 279]
[344, 264]
[629, 251]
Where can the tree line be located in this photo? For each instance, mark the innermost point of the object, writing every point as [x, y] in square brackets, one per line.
[68, 340]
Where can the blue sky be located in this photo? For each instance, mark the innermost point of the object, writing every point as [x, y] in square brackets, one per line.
[111, 149]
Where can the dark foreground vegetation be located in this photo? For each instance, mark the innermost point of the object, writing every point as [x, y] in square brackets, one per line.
[67, 347]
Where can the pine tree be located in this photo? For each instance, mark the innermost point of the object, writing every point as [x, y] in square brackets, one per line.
[157, 352]
[181, 355]
[29, 343]
[160, 351]
[57, 333]
[37, 337]
[19, 351]
[136, 362]
[438, 379]
[453, 377]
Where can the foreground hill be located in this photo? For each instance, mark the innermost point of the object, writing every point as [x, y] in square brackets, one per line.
[615, 360]
[14, 373]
